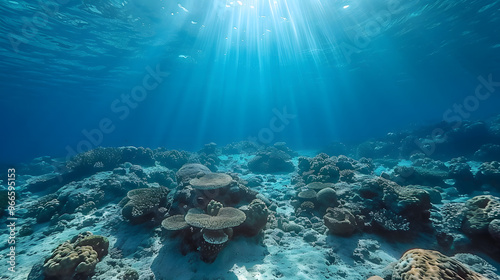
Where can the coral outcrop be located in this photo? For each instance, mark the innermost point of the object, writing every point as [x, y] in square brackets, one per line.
[481, 211]
[76, 259]
[215, 227]
[431, 265]
[144, 204]
[271, 160]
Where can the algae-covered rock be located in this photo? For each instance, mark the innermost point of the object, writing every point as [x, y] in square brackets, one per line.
[481, 210]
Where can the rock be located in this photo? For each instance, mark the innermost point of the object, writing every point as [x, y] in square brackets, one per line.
[340, 221]
[191, 171]
[256, 218]
[366, 251]
[327, 198]
[310, 236]
[271, 160]
[494, 229]
[481, 210]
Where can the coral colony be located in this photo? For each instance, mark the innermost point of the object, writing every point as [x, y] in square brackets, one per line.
[371, 211]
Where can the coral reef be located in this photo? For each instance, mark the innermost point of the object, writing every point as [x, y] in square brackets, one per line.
[211, 181]
[100, 159]
[171, 159]
[204, 187]
[243, 147]
[94, 160]
[488, 152]
[338, 216]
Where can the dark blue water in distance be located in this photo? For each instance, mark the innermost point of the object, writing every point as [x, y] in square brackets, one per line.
[307, 72]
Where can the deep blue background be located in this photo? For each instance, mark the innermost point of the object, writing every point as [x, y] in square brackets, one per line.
[231, 66]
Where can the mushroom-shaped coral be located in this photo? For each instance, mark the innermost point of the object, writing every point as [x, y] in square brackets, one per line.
[213, 242]
[176, 222]
[211, 181]
[213, 228]
[227, 217]
[431, 265]
[144, 203]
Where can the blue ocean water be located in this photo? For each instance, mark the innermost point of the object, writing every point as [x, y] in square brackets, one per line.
[389, 110]
[75, 75]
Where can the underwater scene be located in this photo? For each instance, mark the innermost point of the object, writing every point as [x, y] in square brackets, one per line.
[251, 139]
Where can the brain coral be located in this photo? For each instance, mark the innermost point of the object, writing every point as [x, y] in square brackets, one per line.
[100, 244]
[418, 264]
[72, 260]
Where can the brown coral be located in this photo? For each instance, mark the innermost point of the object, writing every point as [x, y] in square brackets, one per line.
[76, 258]
[418, 264]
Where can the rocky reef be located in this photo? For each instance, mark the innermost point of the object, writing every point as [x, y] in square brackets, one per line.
[383, 210]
